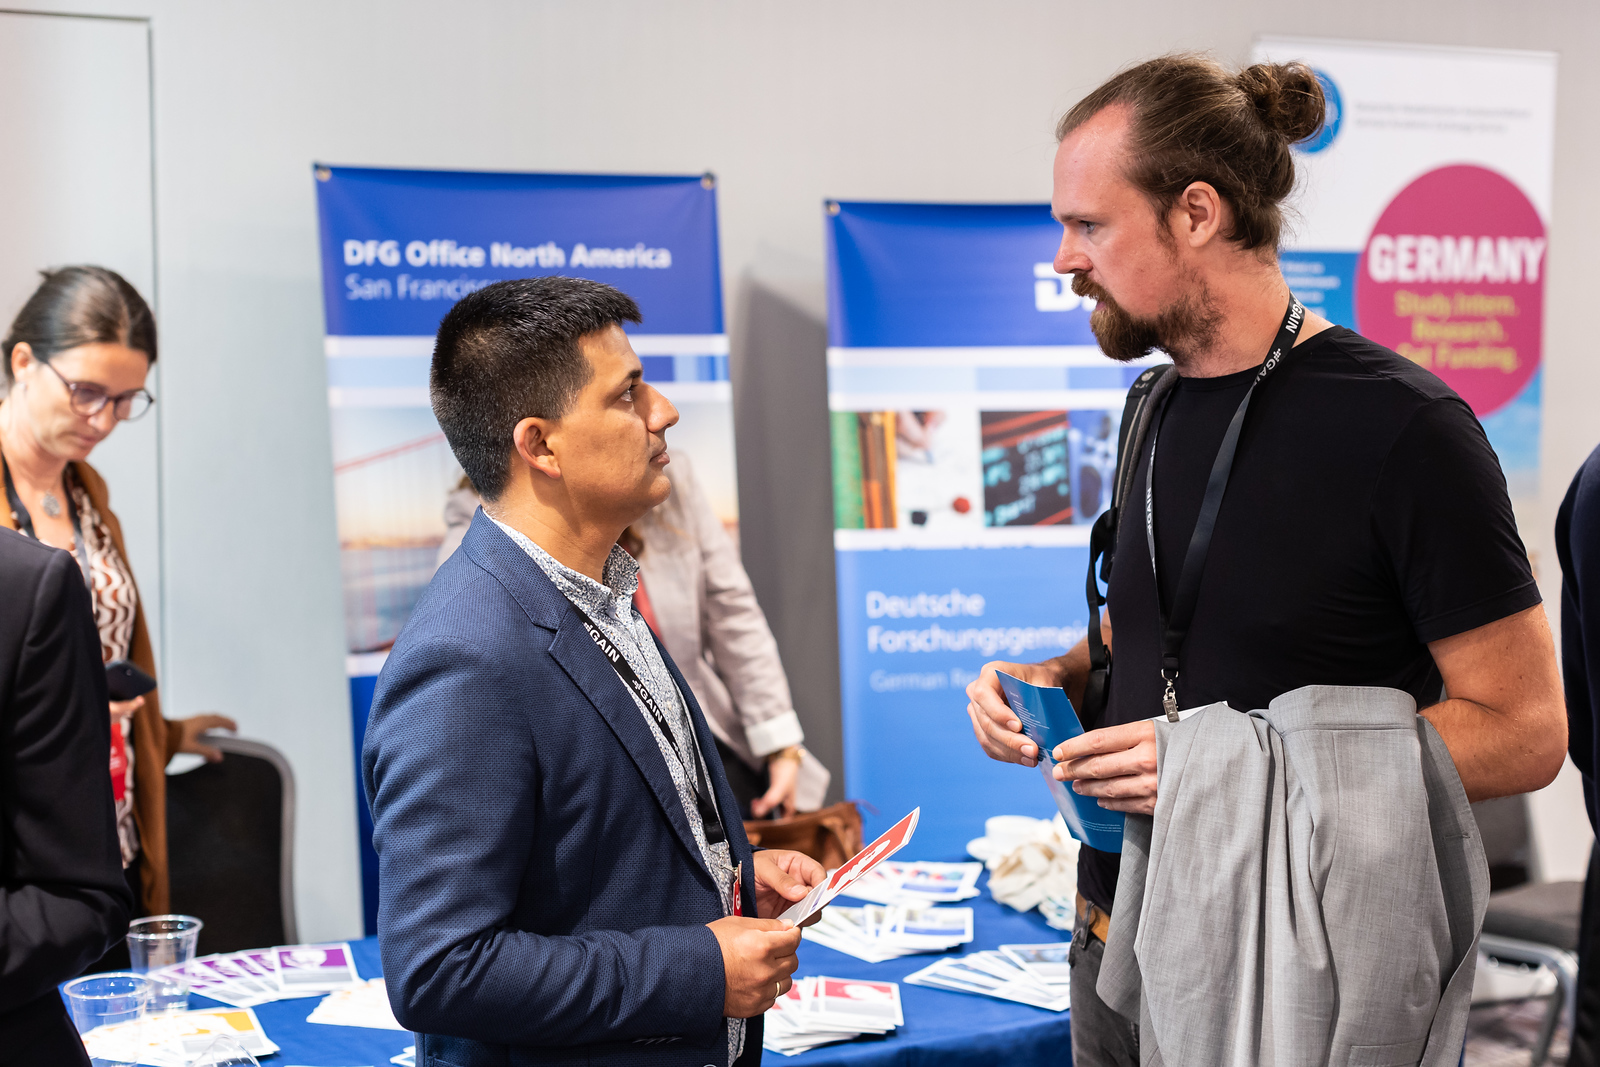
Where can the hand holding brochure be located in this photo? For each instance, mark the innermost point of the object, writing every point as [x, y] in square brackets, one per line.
[892, 841]
[1048, 719]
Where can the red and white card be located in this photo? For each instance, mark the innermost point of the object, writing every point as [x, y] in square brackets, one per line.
[871, 1004]
[892, 841]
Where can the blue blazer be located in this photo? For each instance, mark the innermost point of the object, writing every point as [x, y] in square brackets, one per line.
[542, 899]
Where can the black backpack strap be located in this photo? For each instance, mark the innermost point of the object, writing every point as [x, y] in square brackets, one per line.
[1143, 395]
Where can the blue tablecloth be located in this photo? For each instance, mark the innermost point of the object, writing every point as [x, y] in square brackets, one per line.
[947, 1029]
[941, 1029]
[320, 1045]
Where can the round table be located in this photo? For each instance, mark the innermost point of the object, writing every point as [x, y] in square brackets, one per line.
[941, 1029]
[318, 1044]
[945, 1029]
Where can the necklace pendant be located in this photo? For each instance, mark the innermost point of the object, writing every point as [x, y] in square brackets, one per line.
[51, 504]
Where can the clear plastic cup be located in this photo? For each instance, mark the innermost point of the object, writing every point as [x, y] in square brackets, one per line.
[111, 999]
[225, 1051]
[160, 942]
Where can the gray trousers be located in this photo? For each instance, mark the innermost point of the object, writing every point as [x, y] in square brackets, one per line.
[1100, 1037]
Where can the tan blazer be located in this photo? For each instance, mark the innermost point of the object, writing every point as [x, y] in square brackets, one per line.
[154, 744]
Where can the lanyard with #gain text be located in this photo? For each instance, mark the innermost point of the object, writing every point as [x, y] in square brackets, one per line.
[709, 818]
[1175, 627]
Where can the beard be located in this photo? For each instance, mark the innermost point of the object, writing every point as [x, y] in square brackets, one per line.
[1187, 325]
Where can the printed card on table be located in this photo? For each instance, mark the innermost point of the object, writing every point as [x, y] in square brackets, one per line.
[993, 974]
[304, 969]
[232, 971]
[875, 1004]
[820, 1011]
[1046, 962]
[208, 980]
[939, 882]
[933, 928]
[175, 1040]
[258, 961]
[364, 1005]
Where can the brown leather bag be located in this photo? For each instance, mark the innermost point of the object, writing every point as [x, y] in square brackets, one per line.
[829, 836]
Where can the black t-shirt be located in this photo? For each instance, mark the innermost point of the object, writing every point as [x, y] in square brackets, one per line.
[1366, 516]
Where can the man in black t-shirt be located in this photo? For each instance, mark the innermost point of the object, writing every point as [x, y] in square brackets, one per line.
[1365, 537]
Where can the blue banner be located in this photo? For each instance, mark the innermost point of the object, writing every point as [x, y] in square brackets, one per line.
[973, 426]
[399, 248]
[943, 274]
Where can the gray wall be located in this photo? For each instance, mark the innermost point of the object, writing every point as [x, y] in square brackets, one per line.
[788, 103]
[75, 105]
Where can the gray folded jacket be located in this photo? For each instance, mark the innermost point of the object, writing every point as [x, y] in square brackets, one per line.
[1308, 892]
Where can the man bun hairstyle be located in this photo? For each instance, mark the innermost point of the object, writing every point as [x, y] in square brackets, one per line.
[81, 305]
[1195, 120]
[508, 352]
[1287, 98]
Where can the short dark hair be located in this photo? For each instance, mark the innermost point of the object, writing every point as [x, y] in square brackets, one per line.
[508, 352]
[1194, 120]
[81, 305]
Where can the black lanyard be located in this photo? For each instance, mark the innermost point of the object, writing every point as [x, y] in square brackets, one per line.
[1175, 627]
[709, 819]
[24, 521]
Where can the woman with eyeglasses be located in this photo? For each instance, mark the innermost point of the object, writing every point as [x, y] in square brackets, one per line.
[76, 360]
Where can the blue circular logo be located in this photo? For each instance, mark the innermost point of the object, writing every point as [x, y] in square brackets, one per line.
[1330, 125]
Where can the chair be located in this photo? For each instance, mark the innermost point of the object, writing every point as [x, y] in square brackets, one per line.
[1532, 924]
[230, 844]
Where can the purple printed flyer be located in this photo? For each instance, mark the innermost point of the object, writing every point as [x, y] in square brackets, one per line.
[314, 968]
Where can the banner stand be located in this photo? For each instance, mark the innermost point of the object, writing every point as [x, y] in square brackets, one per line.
[399, 248]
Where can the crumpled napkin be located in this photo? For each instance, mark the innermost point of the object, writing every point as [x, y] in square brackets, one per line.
[1033, 863]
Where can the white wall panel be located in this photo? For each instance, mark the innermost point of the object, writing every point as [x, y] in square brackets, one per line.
[75, 188]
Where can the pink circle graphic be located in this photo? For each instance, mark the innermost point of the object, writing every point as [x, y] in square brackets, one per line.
[1453, 278]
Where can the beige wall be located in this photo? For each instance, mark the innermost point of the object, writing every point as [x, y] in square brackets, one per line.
[788, 103]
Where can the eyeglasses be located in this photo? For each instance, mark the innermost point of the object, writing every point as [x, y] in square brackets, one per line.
[89, 399]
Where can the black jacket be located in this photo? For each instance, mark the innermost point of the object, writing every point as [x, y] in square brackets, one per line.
[63, 897]
[1578, 549]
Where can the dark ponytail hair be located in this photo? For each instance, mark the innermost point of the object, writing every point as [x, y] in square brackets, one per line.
[1195, 120]
[81, 306]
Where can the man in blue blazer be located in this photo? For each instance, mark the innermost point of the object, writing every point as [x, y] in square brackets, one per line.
[565, 878]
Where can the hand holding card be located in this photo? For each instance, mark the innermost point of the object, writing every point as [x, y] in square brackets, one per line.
[892, 841]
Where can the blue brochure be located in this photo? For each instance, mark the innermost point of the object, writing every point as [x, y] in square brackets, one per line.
[1048, 719]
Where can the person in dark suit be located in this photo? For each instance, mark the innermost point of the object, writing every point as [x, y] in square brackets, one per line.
[63, 899]
[1578, 550]
[564, 877]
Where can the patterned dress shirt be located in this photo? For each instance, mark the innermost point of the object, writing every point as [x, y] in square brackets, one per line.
[611, 608]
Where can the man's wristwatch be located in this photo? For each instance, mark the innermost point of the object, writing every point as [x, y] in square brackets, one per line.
[793, 752]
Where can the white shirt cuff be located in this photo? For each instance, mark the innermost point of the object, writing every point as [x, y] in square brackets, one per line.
[771, 735]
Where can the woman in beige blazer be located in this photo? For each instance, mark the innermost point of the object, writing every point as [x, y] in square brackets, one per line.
[695, 594]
